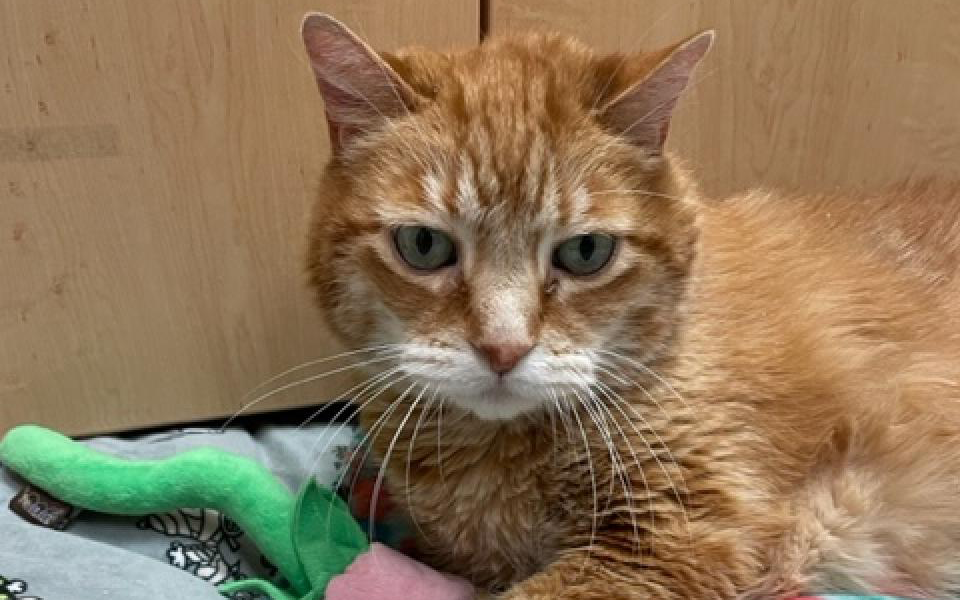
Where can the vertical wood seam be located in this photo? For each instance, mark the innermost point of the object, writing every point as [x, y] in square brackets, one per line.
[483, 25]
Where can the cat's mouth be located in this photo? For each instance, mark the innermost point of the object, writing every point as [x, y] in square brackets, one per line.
[498, 398]
[541, 380]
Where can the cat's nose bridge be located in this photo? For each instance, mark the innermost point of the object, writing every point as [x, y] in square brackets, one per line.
[503, 312]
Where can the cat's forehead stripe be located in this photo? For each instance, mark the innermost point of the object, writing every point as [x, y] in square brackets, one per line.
[467, 196]
[579, 202]
[482, 191]
[433, 189]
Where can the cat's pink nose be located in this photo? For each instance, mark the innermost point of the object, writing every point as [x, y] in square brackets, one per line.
[503, 357]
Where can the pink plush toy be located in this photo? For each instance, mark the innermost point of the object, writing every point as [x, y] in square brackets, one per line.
[385, 574]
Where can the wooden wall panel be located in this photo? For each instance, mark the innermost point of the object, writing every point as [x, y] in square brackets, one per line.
[156, 163]
[807, 95]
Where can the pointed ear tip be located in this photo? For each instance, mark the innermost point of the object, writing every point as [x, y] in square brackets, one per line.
[318, 20]
[706, 38]
[695, 47]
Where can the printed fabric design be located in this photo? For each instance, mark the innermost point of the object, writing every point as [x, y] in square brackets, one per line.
[208, 545]
[13, 589]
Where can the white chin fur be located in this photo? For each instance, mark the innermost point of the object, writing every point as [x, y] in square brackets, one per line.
[495, 408]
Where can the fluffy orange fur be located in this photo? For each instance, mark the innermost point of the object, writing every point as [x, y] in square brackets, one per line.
[756, 397]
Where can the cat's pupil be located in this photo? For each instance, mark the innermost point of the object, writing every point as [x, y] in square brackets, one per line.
[424, 241]
[587, 246]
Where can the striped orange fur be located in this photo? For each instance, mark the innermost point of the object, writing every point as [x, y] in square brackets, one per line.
[752, 398]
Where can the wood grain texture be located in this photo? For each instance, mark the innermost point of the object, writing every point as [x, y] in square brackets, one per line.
[804, 95]
[156, 163]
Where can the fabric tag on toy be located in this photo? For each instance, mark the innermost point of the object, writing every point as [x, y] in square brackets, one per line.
[40, 508]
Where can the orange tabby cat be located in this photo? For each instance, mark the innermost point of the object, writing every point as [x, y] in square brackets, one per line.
[591, 382]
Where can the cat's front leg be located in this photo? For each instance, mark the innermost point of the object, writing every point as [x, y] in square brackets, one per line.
[600, 583]
[705, 571]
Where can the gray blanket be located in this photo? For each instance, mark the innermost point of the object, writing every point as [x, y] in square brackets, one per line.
[179, 555]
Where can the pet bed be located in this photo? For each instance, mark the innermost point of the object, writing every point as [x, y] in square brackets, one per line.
[183, 554]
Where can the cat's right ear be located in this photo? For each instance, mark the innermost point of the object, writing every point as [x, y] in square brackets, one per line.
[359, 89]
[641, 113]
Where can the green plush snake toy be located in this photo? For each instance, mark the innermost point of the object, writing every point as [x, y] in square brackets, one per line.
[311, 537]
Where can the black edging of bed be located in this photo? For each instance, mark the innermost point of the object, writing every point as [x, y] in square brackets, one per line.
[330, 413]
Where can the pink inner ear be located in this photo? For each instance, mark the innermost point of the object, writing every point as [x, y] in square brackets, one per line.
[359, 88]
[642, 113]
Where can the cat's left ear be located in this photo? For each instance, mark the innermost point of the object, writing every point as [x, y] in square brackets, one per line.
[642, 112]
[360, 90]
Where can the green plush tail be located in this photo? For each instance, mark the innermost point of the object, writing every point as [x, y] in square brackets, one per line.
[201, 478]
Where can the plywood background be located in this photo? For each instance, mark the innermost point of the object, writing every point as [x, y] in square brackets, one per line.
[156, 162]
[157, 159]
[808, 95]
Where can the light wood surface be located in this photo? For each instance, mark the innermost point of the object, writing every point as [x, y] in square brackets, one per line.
[805, 95]
[157, 160]
[156, 163]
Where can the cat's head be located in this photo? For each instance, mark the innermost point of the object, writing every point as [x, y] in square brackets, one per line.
[501, 222]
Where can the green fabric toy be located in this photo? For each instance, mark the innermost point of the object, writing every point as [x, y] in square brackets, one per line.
[311, 537]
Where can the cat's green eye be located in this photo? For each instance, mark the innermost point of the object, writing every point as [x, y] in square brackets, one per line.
[584, 254]
[424, 248]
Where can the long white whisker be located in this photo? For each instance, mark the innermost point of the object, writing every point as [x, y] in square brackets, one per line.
[366, 384]
[357, 408]
[352, 458]
[386, 457]
[618, 402]
[624, 480]
[318, 361]
[323, 375]
[249, 404]
[564, 418]
[648, 371]
[413, 440]
[623, 378]
[553, 425]
[368, 442]
[593, 480]
[443, 476]
[379, 422]
[605, 436]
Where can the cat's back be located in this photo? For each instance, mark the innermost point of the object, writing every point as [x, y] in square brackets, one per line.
[914, 226]
[897, 251]
[823, 305]
[836, 319]
[828, 296]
